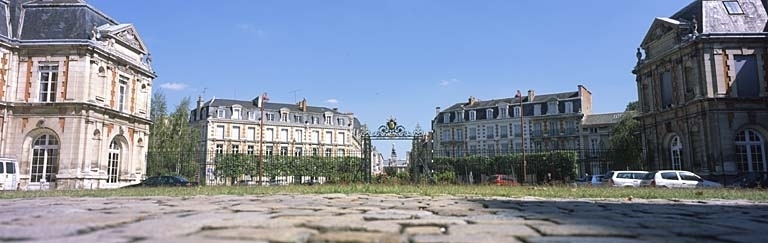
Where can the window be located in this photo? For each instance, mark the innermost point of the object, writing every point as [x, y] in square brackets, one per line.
[569, 107]
[459, 134]
[328, 137]
[284, 151]
[250, 134]
[341, 152]
[219, 149]
[235, 133]
[219, 133]
[472, 133]
[122, 89]
[504, 148]
[220, 113]
[315, 120]
[315, 152]
[537, 129]
[553, 129]
[250, 150]
[316, 136]
[504, 111]
[472, 115]
[49, 77]
[594, 144]
[537, 110]
[251, 115]
[518, 130]
[750, 151]
[675, 149]
[489, 133]
[327, 120]
[669, 176]
[298, 118]
[342, 138]
[235, 149]
[489, 114]
[552, 108]
[269, 135]
[733, 7]
[298, 151]
[593, 130]
[446, 117]
[270, 116]
[236, 113]
[503, 131]
[328, 152]
[688, 176]
[747, 81]
[283, 135]
[113, 162]
[284, 117]
[269, 151]
[666, 90]
[299, 136]
[473, 149]
[446, 135]
[459, 116]
[517, 111]
[340, 121]
[570, 127]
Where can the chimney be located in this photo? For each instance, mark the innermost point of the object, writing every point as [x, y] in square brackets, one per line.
[302, 105]
[437, 110]
[335, 109]
[471, 100]
[531, 95]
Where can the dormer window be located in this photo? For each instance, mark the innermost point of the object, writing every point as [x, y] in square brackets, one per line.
[220, 113]
[733, 7]
[327, 120]
[251, 115]
[235, 113]
[504, 111]
[472, 115]
[517, 111]
[537, 109]
[568, 107]
[340, 121]
[552, 108]
[489, 114]
[298, 118]
[446, 117]
[270, 116]
[284, 117]
[315, 120]
[459, 116]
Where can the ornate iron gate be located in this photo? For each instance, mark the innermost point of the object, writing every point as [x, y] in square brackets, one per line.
[389, 131]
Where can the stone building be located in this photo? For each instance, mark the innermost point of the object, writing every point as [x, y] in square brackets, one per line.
[234, 126]
[75, 88]
[596, 130]
[702, 88]
[475, 127]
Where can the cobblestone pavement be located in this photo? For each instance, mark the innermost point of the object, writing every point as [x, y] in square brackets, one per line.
[378, 218]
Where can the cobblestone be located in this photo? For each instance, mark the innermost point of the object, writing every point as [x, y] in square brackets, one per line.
[378, 218]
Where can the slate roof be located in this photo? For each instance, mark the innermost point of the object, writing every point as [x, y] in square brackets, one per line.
[248, 105]
[50, 19]
[606, 118]
[511, 101]
[713, 17]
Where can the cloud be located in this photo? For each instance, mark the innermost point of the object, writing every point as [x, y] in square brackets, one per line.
[446, 82]
[332, 101]
[173, 86]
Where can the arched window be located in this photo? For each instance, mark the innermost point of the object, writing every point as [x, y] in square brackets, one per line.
[113, 162]
[45, 158]
[675, 149]
[750, 151]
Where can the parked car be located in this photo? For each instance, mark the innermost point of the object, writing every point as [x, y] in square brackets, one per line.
[751, 180]
[625, 178]
[9, 174]
[590, 180]
[676, 179]
[502, 180]
[163, 181]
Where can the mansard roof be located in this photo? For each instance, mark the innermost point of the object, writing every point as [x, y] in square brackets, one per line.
[542, 98]
[269, 106]
[712, 16]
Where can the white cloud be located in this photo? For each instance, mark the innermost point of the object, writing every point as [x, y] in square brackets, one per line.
[332, 101]
[173, 86]
[447, 82]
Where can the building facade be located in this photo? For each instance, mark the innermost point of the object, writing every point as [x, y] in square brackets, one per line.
[75, 88]
[234, 126]
[596, 130]
[475, 127]
[703, 90]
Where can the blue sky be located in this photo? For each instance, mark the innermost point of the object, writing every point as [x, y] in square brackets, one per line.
[398, 58]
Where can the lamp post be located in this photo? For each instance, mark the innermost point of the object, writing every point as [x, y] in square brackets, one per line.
[263, 98]
[522, 136]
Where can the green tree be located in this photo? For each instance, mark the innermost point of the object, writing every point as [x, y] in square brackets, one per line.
[172, 141]
[234, 166]
[626, 142]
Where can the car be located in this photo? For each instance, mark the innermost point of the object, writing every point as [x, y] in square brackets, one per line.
[9, 174]
[163, 181]
[676, 179]
[502, 180]
[589, 180]
[625, 178]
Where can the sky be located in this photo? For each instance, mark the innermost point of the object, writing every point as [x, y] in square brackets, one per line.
[391, 58]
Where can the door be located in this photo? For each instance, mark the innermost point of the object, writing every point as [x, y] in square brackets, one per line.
[8, 175]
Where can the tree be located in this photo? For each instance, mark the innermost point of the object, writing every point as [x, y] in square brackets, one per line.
[233, 166]
[625, 140]
[172, 141]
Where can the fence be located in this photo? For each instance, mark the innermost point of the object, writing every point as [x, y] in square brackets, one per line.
[424, 167]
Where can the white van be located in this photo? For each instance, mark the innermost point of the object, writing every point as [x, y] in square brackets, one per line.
[9, 174]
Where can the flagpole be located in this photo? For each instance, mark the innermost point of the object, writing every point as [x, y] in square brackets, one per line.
[522, 136]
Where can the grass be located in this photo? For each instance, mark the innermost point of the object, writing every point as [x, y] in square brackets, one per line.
[426, 190]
